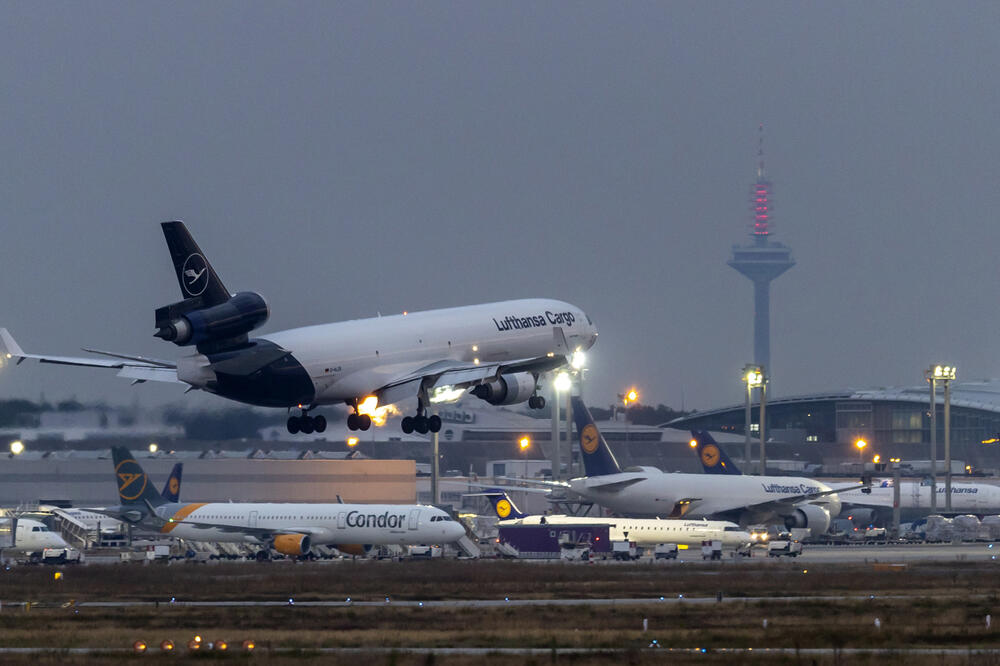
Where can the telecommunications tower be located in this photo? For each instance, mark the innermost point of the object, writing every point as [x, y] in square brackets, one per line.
[761, 260]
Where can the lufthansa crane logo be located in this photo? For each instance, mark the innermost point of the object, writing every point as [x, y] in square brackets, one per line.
[503, 508]
[194, 275]
[131, 479]
[589, 438]
[175, 485]
[710, 455]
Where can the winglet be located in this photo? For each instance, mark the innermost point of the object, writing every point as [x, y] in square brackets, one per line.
[712, 456]
[9, 347]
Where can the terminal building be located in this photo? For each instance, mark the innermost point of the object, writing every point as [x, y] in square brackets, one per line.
[894, 422]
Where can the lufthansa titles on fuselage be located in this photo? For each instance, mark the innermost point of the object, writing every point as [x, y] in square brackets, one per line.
[513, 322]
[797, 489]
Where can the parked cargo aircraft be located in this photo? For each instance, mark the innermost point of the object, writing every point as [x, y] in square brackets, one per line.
[647, 491]
[495, 350]
[643, 531]
[289, 528]
[874, 505]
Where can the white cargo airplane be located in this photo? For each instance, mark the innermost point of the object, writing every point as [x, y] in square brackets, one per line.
[643, 531]
[289, 528]
[497, 350]
[874, 504]
[647, 491]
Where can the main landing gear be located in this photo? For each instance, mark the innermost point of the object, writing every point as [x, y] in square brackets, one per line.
[536, 402]
[421, 423]
[306, 424]
[357, 421]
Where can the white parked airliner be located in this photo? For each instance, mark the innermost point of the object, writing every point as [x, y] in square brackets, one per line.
[497, 350]
[289, 528]
[642, 531]
[647, 491]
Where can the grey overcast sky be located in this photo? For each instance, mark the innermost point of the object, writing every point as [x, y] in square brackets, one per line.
[351, 158]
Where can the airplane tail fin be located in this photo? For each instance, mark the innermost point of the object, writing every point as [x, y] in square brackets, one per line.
[503, 504]
[133, 482]
[712, 456]
[195, 275]
[172, 488]
[598, 459]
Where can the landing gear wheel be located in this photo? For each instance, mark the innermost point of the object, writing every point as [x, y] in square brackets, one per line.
[352, 421]
[364, 422]
[434, 423]
[420, 424]
[407, 425]
[293, 424]
[319, 423]
[263, 556]
[536, 402]
[307, 426]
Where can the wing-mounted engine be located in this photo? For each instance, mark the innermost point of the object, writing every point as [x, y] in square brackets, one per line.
[359, 549]
[292, 544]
[507, 389]
[189, 322]
[816, 518]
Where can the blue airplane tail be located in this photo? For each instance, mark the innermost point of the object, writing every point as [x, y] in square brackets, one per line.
[503, 504]
[172, 488]
[712, 456]
[133, 482]
[598, 460]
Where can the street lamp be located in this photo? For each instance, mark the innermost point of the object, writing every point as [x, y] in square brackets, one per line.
[561, 383]
[524, 442]
[861, 444]
[16, 448]
[629, 397]
[944, 374]
[153, 447]
[753, 375]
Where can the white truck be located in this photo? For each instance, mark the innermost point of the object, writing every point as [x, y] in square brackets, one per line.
[665, 551]
[61, 556]
[711, 549]
[624, 550]
[789, 547]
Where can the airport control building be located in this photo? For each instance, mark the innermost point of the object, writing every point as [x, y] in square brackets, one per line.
[895, 423]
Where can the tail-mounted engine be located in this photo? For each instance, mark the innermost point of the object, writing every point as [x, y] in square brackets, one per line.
[507, 389]
[190, 323]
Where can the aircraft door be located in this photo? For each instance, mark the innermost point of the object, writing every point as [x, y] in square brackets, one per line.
[917, 489]
[414, 518]
[252, 522]
[342, 520]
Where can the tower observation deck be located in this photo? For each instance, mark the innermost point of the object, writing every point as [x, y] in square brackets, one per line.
[761, 260]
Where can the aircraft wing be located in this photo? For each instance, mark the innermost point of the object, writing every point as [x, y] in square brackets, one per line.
[137, 368]
[460, 374]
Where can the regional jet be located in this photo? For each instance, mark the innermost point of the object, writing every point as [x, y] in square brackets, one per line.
[496, 351]
[289, 528]
[647, 491]
[643, 531]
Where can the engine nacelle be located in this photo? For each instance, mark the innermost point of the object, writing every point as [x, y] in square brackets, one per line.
[354, 548]
[816, 518]
[238, 316]
[507, 389]
[292, 544]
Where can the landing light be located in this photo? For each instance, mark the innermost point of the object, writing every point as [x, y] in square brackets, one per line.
[17, 447]
[352, 441]
[153, 447]
[693, 443]
[578, 360]
[563, 382]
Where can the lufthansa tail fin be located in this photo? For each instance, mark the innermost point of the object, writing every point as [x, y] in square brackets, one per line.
[172, 488]
[503, 504]
[133, 482]
[712, 456]
[195, 275]
[598, 460]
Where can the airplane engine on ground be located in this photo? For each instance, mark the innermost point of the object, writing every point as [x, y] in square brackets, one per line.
[816, 518]
[507, 389]
[238, 316]
[861, 516]
[354, 548]
[292, 544]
